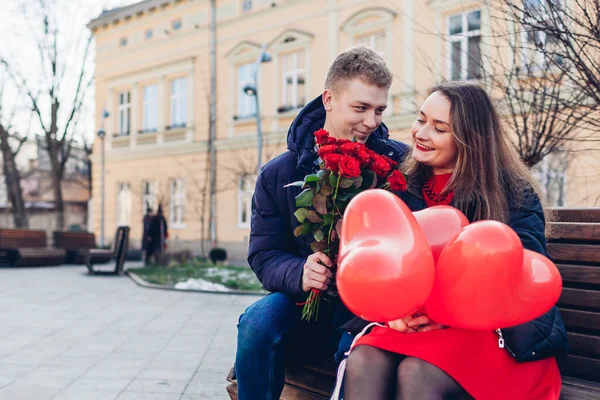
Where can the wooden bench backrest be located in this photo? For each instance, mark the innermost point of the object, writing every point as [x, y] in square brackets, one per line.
[74, 240]
[22, 238]
[574, 246]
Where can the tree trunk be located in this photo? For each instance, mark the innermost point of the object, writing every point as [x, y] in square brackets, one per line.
[12, 179]
[58, 202]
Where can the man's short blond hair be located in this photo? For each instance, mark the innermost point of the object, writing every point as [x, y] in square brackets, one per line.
[359, 62]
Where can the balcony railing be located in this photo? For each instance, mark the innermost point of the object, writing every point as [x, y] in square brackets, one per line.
[170, 136]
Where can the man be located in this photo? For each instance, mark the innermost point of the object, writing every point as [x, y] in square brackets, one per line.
[146, 238]
[352, 104]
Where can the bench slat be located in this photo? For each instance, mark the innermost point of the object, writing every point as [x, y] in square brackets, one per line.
[580, 232]
[577, 214]
[17, 238]
[579, 274]
[586, 344]
[309, 379]
[580, 298]
[580, 319]
[575, 389]
[585, 253]
[581, 367]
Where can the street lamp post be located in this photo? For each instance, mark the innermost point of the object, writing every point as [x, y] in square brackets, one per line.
[251, 89]
[102, 135]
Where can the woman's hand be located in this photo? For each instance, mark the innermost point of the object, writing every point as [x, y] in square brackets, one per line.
[415, 323]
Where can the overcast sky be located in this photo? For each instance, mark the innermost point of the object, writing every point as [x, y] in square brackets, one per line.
[18, 32]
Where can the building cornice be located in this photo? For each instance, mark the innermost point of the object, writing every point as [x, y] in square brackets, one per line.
[110, 16]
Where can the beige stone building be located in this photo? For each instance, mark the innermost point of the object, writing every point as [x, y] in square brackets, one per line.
[152, 76]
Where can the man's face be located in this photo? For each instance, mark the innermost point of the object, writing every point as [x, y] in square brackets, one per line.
[355, 109]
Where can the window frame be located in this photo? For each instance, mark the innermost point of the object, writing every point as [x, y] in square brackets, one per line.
[539, 63]
[463, 37]
[123, 187]
[149, 197]
[247, 102]
[294, 74]
[124, 113]
[244, 199]
[177, 195]
[178, 104]
[150, 109]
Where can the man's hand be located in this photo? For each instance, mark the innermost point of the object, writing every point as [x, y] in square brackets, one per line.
[415, 323]
[315, 275]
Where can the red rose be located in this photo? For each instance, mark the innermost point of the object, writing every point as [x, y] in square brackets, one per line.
[343, 141]
[332, 161]
[331, 140]
[327, 149]
[397, 181]
[349, 167]
[363, 156]
[349, 148]
[380, 166]
[322, 136]
[392, 163]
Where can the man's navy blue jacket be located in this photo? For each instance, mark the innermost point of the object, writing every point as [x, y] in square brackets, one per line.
[275, 254]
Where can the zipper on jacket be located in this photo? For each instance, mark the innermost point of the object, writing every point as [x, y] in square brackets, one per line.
[501, 343]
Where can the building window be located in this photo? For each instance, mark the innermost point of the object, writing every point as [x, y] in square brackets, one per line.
[176, 24]
[245, 192]
[150, 122]
[178, 103]
[149, 196]
[293, 80]
[177, 203]
[246, 106]
[376, 41]
[465, 46]
[246, 5]
[538, 46]
[149, 33]
[551, 175]
[124, 113]
[123, 42]
[123, 204]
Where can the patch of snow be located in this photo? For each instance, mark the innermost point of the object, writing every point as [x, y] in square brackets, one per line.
[201, 284]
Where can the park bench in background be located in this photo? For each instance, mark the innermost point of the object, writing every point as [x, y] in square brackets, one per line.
[93, 257]
[24, 247]
[575, 248]
[75, 244]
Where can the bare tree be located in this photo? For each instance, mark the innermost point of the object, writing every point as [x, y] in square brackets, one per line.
[568, 32]
[539, 105]
[55, 101]
[10, 145]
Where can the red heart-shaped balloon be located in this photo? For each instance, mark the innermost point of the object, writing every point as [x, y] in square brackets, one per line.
[480, 276]
[386, 268]
[539, 288]
[440, 224]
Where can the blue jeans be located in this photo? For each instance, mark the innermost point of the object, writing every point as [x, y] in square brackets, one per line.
[268, 330]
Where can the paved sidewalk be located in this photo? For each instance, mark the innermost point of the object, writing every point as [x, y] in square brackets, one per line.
[67, 335]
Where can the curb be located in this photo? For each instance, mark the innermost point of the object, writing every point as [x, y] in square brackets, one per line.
[140, 282]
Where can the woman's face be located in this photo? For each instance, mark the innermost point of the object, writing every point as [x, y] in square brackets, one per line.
[433, 138]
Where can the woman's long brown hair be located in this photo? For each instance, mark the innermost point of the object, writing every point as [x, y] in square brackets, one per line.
[488, 170]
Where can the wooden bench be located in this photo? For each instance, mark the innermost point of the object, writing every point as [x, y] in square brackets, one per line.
[24, 247]
[575, 248]
[75, 244]
[93, 257]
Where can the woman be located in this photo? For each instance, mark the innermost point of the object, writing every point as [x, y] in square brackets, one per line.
[462, 157]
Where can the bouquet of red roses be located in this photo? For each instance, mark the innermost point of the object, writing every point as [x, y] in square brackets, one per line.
[347, 168]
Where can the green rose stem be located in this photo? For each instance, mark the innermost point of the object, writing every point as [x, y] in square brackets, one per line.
[311, 307]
